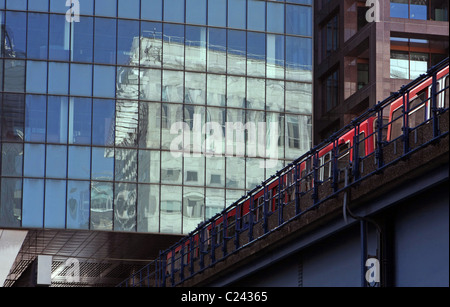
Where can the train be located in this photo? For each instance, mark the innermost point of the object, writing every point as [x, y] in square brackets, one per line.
[413, 107]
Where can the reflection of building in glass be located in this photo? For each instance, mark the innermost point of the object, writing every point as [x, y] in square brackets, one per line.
[87, 108]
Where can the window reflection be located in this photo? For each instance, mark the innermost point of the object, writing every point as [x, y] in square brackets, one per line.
[195, 46]
[82, 42]
[11, 162]
[56, 164]
[149, 166]
[103, 117]
[35, 118]
[217, 46]
[12, 117]
[59, 38]
[102, 163]
[125, 164]
[34, 160]
[256, 54]
[80, 120]
[101, 205]
[148, 208]
[33, 203]
[16, 33]
[193, 207]
[216, 90]
[196, 11]
[78, 203]
[173, 48]
[125, 207]
[79, 162]
[236, 52]
[57, 123]
[171, 204]
[127, 42]
[37, 36]
[55, 204]
[195, 88]
[10, 202]
[149, 125]
[105, 40]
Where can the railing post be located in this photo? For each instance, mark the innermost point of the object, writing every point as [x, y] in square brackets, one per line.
[434, 108]
[280, 201]
[355, 156]
[334, 164]
[406, 123]
[201, 247]
[238, 226]
[191, 254]
[250, 218]
[380, 143]
[266, 210]
[182, 261]
[297, 188]
[213, 241]
[224, 234]
[315, 195]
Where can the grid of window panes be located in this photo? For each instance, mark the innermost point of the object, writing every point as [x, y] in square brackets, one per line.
[420, 9]
[91, 108]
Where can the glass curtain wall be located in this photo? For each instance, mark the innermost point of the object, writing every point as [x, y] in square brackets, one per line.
[147, 115]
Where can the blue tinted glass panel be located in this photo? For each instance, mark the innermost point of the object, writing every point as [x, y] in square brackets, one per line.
[126, 165]
[11, 117]
[80, 121]
[256, 15]
[56, 165]
[275, 17]
[33, 203]
[129, 8]
[237, 13]
[103, 118]
[86, 7]
[174, 10]
[101, 205]
[37, 36]
[399, 8]
[300, 1]
[152, 31]
[58, 6]
[418, 9]
[11, 163]
[81, 80]
[128, 31]
[35, 119]
[79, 164]
[275, 56]
[217, 45]
[102, 163]
[125, 195]
[16, 5]
[105, 41]
[36, 77]
[57, 122]
[34, 160]
[151, 9]
[78, 200]
[16, 25]
[105, 8]
[55, 204]
[104, 81]
[59, 39]
[298, 58]
[10, 202]
[256, 54]
[196, 11]
[14, 76]
[38, 5]
[58, 78]
[82, 44]
[299, 20]
[217, 13]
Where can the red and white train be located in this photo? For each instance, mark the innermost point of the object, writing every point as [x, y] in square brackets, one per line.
[419, 112]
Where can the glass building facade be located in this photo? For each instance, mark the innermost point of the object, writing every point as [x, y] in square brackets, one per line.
[147, 115]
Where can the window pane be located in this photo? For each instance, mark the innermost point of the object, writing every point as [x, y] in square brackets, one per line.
[216, 90]
[236, 92]
[129, 8]
[148, 208]
[16, 5]
[11, 163]
[419, 9]
[127, 42]
[126, 123]
[102, 163]
[173, 49]
[57, 6]
[78, 199]
[82, 45]
[194, 168]
[55, 204]
[171, 204]
[196, 11]
[298, 97]
[104, 81]
[174, 10]
[56, 165]
[34, 160]
[193, 207]
[16, 25]
[217, 46]
[36, 77]
[37, 36]
[101, 205]
[14, 76]
[126, 165]
[215, 172]
[275, 95]
[125, 207]
[195, 48]
[255, 172]
[214, 144]
[149, 166]
[236, 52]
[33, 203]
[195, 88]
[173, 86]
[217, 13]
[256, 54]
[419, 64]
[57, 121]
[127, 82]
[10, 202]
[151, 9]
[256, 93]
[275, 17]
[298, 58]
[149, 125]
[58, 78]
[80, 121]
[298, 20]
[79, 163]
[235, 172]
[171, 168]
[38, 5]
[439, 10]
[105, 8]
[151, 44]
[237, 12]
[81, 79]
[11, 117]
[399, 8]
[105, 40]
[150, 84]
[399, 65]
[103, 117]
[59, 39]
[256, 15]
[35, 118]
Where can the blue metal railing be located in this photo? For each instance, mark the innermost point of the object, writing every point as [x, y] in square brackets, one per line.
[210, 243]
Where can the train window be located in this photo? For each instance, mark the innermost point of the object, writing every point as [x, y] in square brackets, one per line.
[362, 143]
[446, 93]
[397, 123]
[326, 166]
[417, 109]
[231, 226]
[343, 155]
